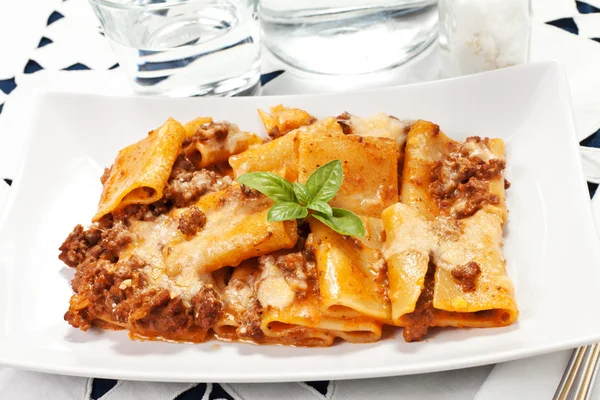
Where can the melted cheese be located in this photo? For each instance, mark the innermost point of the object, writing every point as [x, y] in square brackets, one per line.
[194, 125]
[273, 290]
[150, 240]
[214, 150]
[381, 125]
[480, 233]
[414, 234]
[236, 229]
[480, 150]
[448, 242]
[239, 293]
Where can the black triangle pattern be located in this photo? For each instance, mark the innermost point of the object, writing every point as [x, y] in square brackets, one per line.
[55, 16]
[7, 85]
[268, 77]
[100, 387]
[586, 8]
[77, 67]
[44, 41]
[32, 66]
[568, 24]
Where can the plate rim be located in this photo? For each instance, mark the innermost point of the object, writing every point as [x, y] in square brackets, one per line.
[354, 372]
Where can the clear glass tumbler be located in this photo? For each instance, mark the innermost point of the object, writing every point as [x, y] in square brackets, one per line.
[347, 36]
[185, 47]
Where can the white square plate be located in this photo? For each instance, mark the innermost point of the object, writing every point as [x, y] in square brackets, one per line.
[551, 243]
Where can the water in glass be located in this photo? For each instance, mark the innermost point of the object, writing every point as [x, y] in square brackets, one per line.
[185, 47]
[347, 36]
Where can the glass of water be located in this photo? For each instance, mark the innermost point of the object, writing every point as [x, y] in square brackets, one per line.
[185, 47]
[347, 36]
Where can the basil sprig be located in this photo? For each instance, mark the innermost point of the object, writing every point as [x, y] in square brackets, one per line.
[294, 200]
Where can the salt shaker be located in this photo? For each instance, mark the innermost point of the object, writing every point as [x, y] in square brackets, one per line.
[481, 35]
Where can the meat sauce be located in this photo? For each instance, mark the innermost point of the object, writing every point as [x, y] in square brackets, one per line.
[421, 319]
[460, 185]
[460, 179]
[114, 293]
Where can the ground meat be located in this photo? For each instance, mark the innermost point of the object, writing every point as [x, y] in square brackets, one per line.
[91, 282]
[103, 282]
[79, 319]
[115, 239]
[206, 307]
[109, 289]
[342, 120]
[185, 187]
[192, 221]
[250, 322]
[168, 319]
[82, 278]
[142, 212]
[420, 320]
[467, 275]
[182, 163]
[93, 243]
[210, 131]
[119, 292]
[76, 247]
[125, 267]
[460, 181]
[214, 131]
[470, 198]
[308, 247]
[300, 271]
[248, 192]
[135, 263]
[291, 262]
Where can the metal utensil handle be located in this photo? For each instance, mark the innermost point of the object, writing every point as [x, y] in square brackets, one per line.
[579, 376]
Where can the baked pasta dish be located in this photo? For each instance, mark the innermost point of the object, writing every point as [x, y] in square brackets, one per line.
[329, 228]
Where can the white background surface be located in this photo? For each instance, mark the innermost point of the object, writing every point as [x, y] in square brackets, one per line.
[76, 40]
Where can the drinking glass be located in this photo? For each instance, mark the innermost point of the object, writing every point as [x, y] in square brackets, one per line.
[347, 36]
[185, 47]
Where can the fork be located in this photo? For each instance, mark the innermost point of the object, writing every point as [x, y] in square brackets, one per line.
[578, 379]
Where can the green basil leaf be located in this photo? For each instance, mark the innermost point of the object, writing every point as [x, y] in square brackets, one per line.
[273, 186]
[343, 222]
[302, 193]
[321, 207]
[324, 183]
[286, 211]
